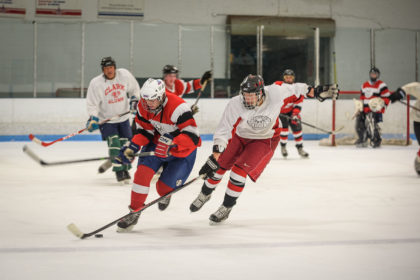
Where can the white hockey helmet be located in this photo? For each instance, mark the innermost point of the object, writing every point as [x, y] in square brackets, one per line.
[153, 90]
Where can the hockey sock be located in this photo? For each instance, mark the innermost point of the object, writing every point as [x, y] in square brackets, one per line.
[141, 186]
[122, 143]
[284, 133]
[418, 153]
[235, 186]
[211, 183]
[114, 146]
[298, 137]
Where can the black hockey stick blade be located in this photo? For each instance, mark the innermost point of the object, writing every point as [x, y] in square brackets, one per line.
[36, 158]
[78, 233]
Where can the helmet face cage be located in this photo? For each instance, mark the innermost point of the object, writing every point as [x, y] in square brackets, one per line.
[170, 69]
[376, 71]
[252, 84]
[153, 90]
[107, 61]
[289, 72]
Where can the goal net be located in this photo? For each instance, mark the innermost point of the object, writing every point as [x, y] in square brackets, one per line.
[395, 128]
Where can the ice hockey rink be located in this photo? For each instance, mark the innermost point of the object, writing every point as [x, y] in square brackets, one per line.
[344, 213]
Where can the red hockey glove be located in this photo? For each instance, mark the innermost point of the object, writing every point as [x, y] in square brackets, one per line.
[163, 146]
[295, 119]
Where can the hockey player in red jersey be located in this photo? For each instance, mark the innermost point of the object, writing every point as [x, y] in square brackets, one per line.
[375, 97]
[180, 87]
[292, 110]
[165, 125]
[253, 117]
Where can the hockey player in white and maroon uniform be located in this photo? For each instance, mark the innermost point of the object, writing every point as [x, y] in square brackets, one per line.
[113, 92]
[371, 91]
[414, 90]
[180, 87]
[291, 109]
[165, 126]
[253, 117]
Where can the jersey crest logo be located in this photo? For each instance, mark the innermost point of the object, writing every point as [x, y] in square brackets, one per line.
[259, 122]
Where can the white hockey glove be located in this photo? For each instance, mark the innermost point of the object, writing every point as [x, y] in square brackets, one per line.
[326, 91]
[376, 104]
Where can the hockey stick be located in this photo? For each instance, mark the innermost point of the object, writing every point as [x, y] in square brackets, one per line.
[199, 93]
[46, 144]
[77, 232]
[313, 126]
[411, 106]
[42, 162]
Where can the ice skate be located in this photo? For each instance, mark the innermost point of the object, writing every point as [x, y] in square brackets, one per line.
[164, 203]
[302, 152]
[417, 165]
[126, 224]
[220, 215]
[361, 144]
[199, 202]
[127, 177]
[120, 176]
[284, 151]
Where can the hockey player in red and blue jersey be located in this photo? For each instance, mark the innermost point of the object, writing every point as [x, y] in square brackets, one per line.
[180, 87]
[373, 91]
[165, 126]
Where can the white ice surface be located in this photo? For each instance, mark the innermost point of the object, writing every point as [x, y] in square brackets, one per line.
[345, 213]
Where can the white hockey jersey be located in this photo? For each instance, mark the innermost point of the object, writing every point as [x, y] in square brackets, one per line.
[108, 98]
[262, 122]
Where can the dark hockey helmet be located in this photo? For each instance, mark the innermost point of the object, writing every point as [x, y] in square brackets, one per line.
[252, 84]
[107, 61]
[376, 71]
[169, 69]
[288, 72]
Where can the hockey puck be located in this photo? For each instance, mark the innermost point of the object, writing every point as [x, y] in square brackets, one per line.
[99, 235]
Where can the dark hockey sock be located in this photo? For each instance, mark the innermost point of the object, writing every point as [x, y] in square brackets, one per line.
[211, 183]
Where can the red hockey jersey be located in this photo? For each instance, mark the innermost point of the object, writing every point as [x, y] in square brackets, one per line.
[371, 90]
[175, 119]
[181, 87]
[292, 103]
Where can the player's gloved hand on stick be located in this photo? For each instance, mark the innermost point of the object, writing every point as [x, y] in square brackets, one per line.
[133, 105]
[127, 153]
[163, 147]
[194, 109]
[206, 77]
[92, 123]
[397, 95]
[210, 167]
[326, 91]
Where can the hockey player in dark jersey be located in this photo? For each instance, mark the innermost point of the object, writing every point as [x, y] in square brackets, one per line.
[165, 125]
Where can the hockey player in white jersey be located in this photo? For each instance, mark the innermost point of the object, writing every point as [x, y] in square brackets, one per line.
[111, 93]
[247, 136]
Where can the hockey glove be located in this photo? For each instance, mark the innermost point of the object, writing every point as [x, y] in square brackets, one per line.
[397, 95]
[163, 147]
[209, 168]
[206, 77]
[194, 109]
[133, 105]
[127, 153]
[326, 91]
[92, 123]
